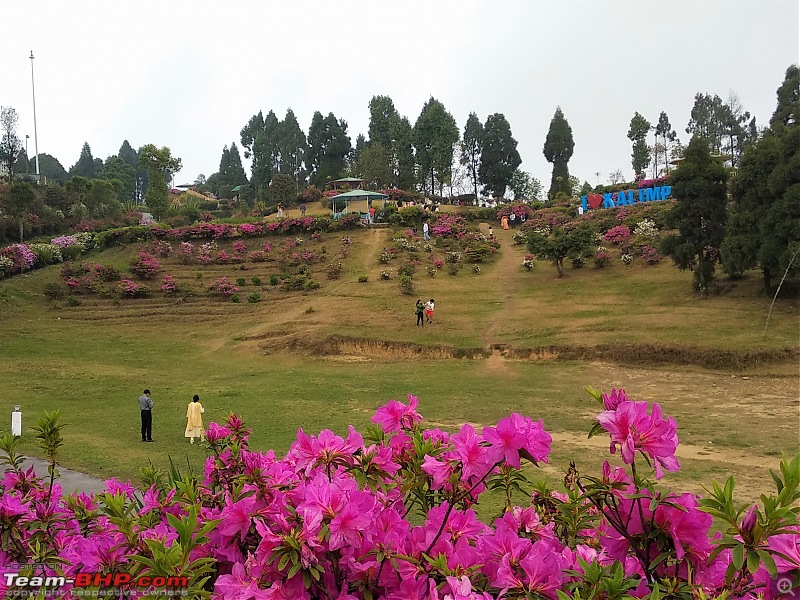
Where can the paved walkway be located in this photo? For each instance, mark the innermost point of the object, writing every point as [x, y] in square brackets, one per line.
[71, 481]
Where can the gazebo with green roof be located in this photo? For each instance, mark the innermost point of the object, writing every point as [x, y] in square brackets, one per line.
[357, 196]
[350, 182]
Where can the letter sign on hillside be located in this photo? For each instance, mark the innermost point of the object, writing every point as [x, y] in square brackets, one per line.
[626, 197]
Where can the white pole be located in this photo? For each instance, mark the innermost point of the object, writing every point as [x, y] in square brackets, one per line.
[35, 134]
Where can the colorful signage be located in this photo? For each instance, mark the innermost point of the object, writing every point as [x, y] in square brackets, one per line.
[626, 197]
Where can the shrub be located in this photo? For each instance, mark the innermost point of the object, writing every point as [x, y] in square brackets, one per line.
[274, 280]
[254, 297]
[256, 280]
[602, 258]
[650, 255]
[240, 281]
[386, 274]
[384, 257]
[528, 262]
[54, 291]
[186, 252]
[224, 287]
[257, 256]
[431, 271]
[235, 298]
[131, 289]
[578, 262]
[73, 301]
[618, 235]
[239, 247]
[363, 279]
[71, 252]
[46, 254]
[453, 269]
[406, 285]
[168, 286]
[646, 228]
[145, 266]
[407, 269]
[519, 238]
[162, 249]
[476, 269]
[452, 257]
[477, 251]
[334, 270]
[626, 259]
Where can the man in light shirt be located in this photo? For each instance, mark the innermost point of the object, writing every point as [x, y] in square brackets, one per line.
[146, 409]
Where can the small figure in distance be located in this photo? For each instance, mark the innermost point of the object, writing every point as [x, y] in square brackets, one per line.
[146, 409]
[426, 236]
[303, 210]
[491, 233]
[420, 310]
[280, 211]
[194, 420]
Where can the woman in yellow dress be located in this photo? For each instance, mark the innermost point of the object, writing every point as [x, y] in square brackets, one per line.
[194, 420]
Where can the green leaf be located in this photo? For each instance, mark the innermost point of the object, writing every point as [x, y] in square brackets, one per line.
[769, 563]
[753, 561]
[738, 556]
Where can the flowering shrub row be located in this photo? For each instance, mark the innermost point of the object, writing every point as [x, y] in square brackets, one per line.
[390, 515]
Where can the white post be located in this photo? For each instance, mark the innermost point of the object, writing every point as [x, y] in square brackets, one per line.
[35, 134]
[16, 421]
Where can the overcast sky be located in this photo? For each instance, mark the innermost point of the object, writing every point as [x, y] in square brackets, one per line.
[189, 74]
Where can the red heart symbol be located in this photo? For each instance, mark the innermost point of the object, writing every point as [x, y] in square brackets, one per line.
[595, 200]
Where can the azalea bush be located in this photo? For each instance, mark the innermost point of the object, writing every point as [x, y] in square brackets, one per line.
[145, 266]
[132, 289]
[19, 258]
[650, 255]
[224, 287]
[618, 235]
[390, 514]
[602, 258]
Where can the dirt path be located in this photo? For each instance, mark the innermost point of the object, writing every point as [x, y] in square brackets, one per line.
[373, 243]
[505, 277]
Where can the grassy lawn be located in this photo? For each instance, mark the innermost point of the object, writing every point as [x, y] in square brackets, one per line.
[92, 361]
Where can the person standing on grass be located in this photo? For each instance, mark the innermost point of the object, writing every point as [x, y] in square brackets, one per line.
[420, 310]
[426, 232]
[512, 219]
[429, 306]
[303, 210]
[504, 222]
[280, 211]
[194, 420]
[146, 409]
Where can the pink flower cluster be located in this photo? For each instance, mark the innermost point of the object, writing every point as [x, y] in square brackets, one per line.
[20, 256]
[168, 286]
[63, 241]
[145, 265]
[617, 235]
[449, 225]
[391, 517]
[650, 255]
[132, 289]
[224, 287]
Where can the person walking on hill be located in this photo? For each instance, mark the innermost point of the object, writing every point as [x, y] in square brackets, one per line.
[194, 420]
[429, 306]
[371, 214]
[146, 409]
[420, 310]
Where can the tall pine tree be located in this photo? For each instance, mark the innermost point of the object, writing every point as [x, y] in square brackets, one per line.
[499, 156]
[558, 148]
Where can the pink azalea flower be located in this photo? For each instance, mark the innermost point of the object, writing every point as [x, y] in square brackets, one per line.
[236, 517]
[612, 400]
[475, 458]
[240, 586]
[396, 415]
[114, 487]
[347, 527]
[440, 471]
[632, 430]
[506, 440]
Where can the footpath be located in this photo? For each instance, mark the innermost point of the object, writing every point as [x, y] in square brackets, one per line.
[71, 481]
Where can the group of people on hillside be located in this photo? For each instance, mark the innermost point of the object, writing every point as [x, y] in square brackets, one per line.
[194, 418]
[424, 312]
